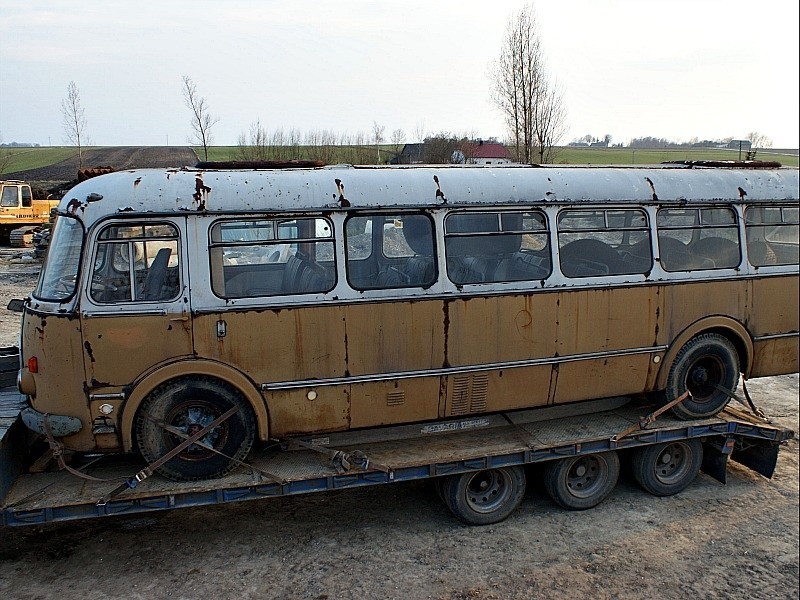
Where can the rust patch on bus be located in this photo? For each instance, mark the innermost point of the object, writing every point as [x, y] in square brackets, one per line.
[201, 191]
[439, 192]
[652, 188]
[343, 202]
[89, 352]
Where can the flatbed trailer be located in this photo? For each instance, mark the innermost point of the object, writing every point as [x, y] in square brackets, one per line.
[477, 454]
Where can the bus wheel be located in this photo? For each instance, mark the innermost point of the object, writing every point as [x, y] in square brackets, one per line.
[668, 468]
[581, 482]
[186, 406]
[484, 497]
[705, 361]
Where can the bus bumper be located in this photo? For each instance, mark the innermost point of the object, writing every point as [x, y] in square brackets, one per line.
[60, 425]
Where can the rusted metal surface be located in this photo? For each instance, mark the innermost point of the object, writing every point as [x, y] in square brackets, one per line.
[163, 191]
[89, 172]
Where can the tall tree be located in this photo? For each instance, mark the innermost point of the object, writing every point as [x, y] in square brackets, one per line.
[377, 136]
[74, 120]
[202, 120]
[398, 139]
[757, 141]
[532, 104]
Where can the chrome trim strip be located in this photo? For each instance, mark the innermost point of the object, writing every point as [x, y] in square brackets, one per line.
[289, 385]
[775, 336]
[158, 312]
[116, 396]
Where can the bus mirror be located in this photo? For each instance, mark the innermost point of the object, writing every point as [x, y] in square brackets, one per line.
[16, 305]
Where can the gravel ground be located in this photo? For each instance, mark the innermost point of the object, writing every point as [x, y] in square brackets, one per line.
[398, 541]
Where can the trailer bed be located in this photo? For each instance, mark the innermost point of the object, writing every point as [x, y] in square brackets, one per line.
[37, 498]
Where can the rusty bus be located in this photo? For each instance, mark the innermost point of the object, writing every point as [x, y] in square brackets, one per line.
[264, 304]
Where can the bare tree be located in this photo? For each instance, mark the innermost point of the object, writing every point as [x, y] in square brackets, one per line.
[202, 120]
[398, 139]
[74, 120]
[420, 133]
[439, 148]
[377, 137]
[254, 146]
[757, 141]
[531, 103]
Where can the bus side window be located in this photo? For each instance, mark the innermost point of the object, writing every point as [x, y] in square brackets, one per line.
[136, 263]
[496, 247]
[773, 235]
[272, 257]
[599, 242]
[692, 239]
[390, 251]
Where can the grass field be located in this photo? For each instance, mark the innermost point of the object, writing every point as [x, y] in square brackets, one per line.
[576, 156]
[23, 159]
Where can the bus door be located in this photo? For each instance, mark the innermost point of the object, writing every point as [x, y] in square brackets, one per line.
[135, 311]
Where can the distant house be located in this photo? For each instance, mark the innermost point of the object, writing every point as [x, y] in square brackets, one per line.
[411, 154]
[739, 145]
[486, 153]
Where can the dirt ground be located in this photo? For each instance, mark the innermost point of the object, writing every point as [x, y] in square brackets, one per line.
[399, 541]
[116, 157]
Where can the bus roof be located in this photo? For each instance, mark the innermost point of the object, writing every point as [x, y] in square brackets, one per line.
[345, 187]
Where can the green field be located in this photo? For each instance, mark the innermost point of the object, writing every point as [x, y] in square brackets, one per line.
[564, 155]
[23, 159]
[638, 156]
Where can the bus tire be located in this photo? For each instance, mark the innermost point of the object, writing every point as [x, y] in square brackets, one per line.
[581, 482]
[668, 468]
[189, 404]
[705, 360]
[484, 497]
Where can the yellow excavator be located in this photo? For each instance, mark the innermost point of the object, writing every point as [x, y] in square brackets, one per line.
[21, 214]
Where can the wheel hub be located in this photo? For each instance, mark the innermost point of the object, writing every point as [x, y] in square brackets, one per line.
[700, 376]
[488, 490]
[586, 476]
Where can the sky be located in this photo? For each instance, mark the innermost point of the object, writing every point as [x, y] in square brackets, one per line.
[677, 69]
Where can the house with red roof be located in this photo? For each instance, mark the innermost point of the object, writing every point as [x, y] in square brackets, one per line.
[486, 153]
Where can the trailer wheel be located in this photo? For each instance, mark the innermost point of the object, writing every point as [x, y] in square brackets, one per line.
[581, 482]
[705, 361]
[484, 497]
[668, 468]
[188, 405]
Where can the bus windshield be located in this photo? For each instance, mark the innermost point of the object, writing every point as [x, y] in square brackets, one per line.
[60, 271]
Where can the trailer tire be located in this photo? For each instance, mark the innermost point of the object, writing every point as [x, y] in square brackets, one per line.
[581, 482]
[484, 497]
[705, 360]
[668, 468]
[188, 404]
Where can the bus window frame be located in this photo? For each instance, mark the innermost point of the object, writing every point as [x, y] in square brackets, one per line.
[295, 245]
[79, 271]
[607, 278]
[499, 212]
[696, 228]
[132, 245]
[377, 246]
[749, 226]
